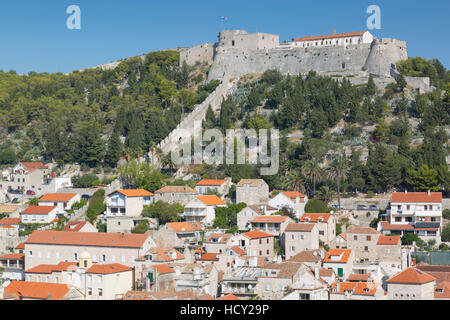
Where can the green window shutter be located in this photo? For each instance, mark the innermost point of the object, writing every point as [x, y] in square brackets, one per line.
[150, 276]
[340, 272]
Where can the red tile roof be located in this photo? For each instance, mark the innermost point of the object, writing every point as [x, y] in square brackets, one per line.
[38, 210]
[229, 296]
[256, 234]
[211, 200]
[293, 194]
[389, 240]
[364, 288]
[74, 226]
[314, 217]
[411, 276]
[269, 219]
[387, 226]
[33, 165]
[7, 227]
[358, 277]
[135, 193]
[208, 257]
[343, 253]
[362, 230]
[303, 227]
[108, 268]
[36, 290]
[99, 239]
[50, 268]
[332, 36]
[9, 221]
[20, 246]
[185, 226]
[175, 189]
[442, 290]
[238, 250]
[13, 256]
[211, 182]
[421, 197]
[162, 254]
[163, 268]
[306, 256]
[57, 197]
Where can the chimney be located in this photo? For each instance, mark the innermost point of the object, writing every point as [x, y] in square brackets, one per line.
[413, 262]
[406, 191]
[429, 193]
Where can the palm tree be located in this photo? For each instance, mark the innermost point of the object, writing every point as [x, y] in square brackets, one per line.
[337, 171]
[293, 181]
[313, 172]
[325, 194]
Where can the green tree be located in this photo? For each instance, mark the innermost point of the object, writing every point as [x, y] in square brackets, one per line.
[313, 172]
[338, 171]
[114, 150]
[162, 211]
[401, 83]
[423, 179]
[316, 206]
[90, 146]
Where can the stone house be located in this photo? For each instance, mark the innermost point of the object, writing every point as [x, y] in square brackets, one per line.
[219, 186]
[201, 278]
[80, 226]
[159, 277]
[176, 194]
[242, 281]
[218, 242]
[411, 284]
[356, 291]
[39, 214]
[276, 278]
[389, 251]
[340, 261]
[127, 202]
[252, 191]
[298, 237]
[27, 176]
[202, 209]
[62, 201]
[325, 222]
[14, 266]
[250, 212]
[310, 258]
[310, 285]
[178, 234]
[293, 200]
[257, 243]
[363, 242]
[274, 225]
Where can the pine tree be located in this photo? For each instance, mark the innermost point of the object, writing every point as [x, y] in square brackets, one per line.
[115, 150]
[371, 86]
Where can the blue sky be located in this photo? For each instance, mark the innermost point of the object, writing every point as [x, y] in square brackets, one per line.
[34, 36]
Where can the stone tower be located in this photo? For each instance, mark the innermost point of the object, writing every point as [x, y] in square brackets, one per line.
[384, 54]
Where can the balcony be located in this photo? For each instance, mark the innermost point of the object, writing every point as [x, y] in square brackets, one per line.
[195, 213]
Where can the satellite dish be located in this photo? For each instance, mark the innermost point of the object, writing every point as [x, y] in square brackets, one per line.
[332, 211]
[6, 283]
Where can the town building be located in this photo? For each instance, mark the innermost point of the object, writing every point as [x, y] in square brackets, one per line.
[257, 243]
[250, 212]
[298, 237]
[202, 209]
[340, 261]
[79, 226]
[389, 251]
[127, 202]
[292, 200]
[252, 191]
[310, 258]
[13, 265]
[310, 285]
[242, 282]
[411, 284]
[218, 186]
[178, 234]
[201, 278]
[39, 214]
[176, 194]
[325, 222]
[363, 242]
[27, 176]
[276, 278]
[62, 201]
[336, 39]
[218, 242]
[274, 225]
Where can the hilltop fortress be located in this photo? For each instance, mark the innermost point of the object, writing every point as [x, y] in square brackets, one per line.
[354, 55]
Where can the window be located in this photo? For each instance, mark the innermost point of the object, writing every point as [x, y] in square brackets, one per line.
[355, 237]
[56, 279]
[30, 253]
[100, 292]
[407, 207]
[301, 237]
[57, 255]
[103, 257]
[366, 248]
[321, 233]
[293, 248]
[268, 251]
[38, 278]
[113, 258]
[425, 208]
[47, 279]
[260, 252]
[90, 291]
[267, 240]
[232, 43]
[30, 278]
[260, 241]
[75, 256]
[398, 219]
[85, 263]
[368, 238]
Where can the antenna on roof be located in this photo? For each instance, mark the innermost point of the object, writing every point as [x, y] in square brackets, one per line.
[334, 31]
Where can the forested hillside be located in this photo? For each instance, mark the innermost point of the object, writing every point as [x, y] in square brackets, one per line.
[339, 137]
[79, 117]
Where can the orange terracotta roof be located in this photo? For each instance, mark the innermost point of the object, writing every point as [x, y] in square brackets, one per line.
[343, 235]
[387, 226]
[100, 239]
[256, 234]
[229, 296]
[293, 194]
[208, 257]
[9, 221]
[185, 226]
[314, 217]
[442, 290]
[36, 290]
[74, 226]
[390, 240]
[364, 288]
[108, 268]
[50, 268]
[302, 227]
[211, 182]
[306, 256]
[211, 200]
[344, 255]
[13, 256]
[38, 210]
[33, 165]
[363, 230]
[331, 36]
[411, 275]
[163, 268]
[162, 254]
[358, 277]
[135, 193]
[7, 227]
[238, 250]
[219, 237]
[175, 189]
[269, 219]
[421, 197]
[20, 246]
[57, 197]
